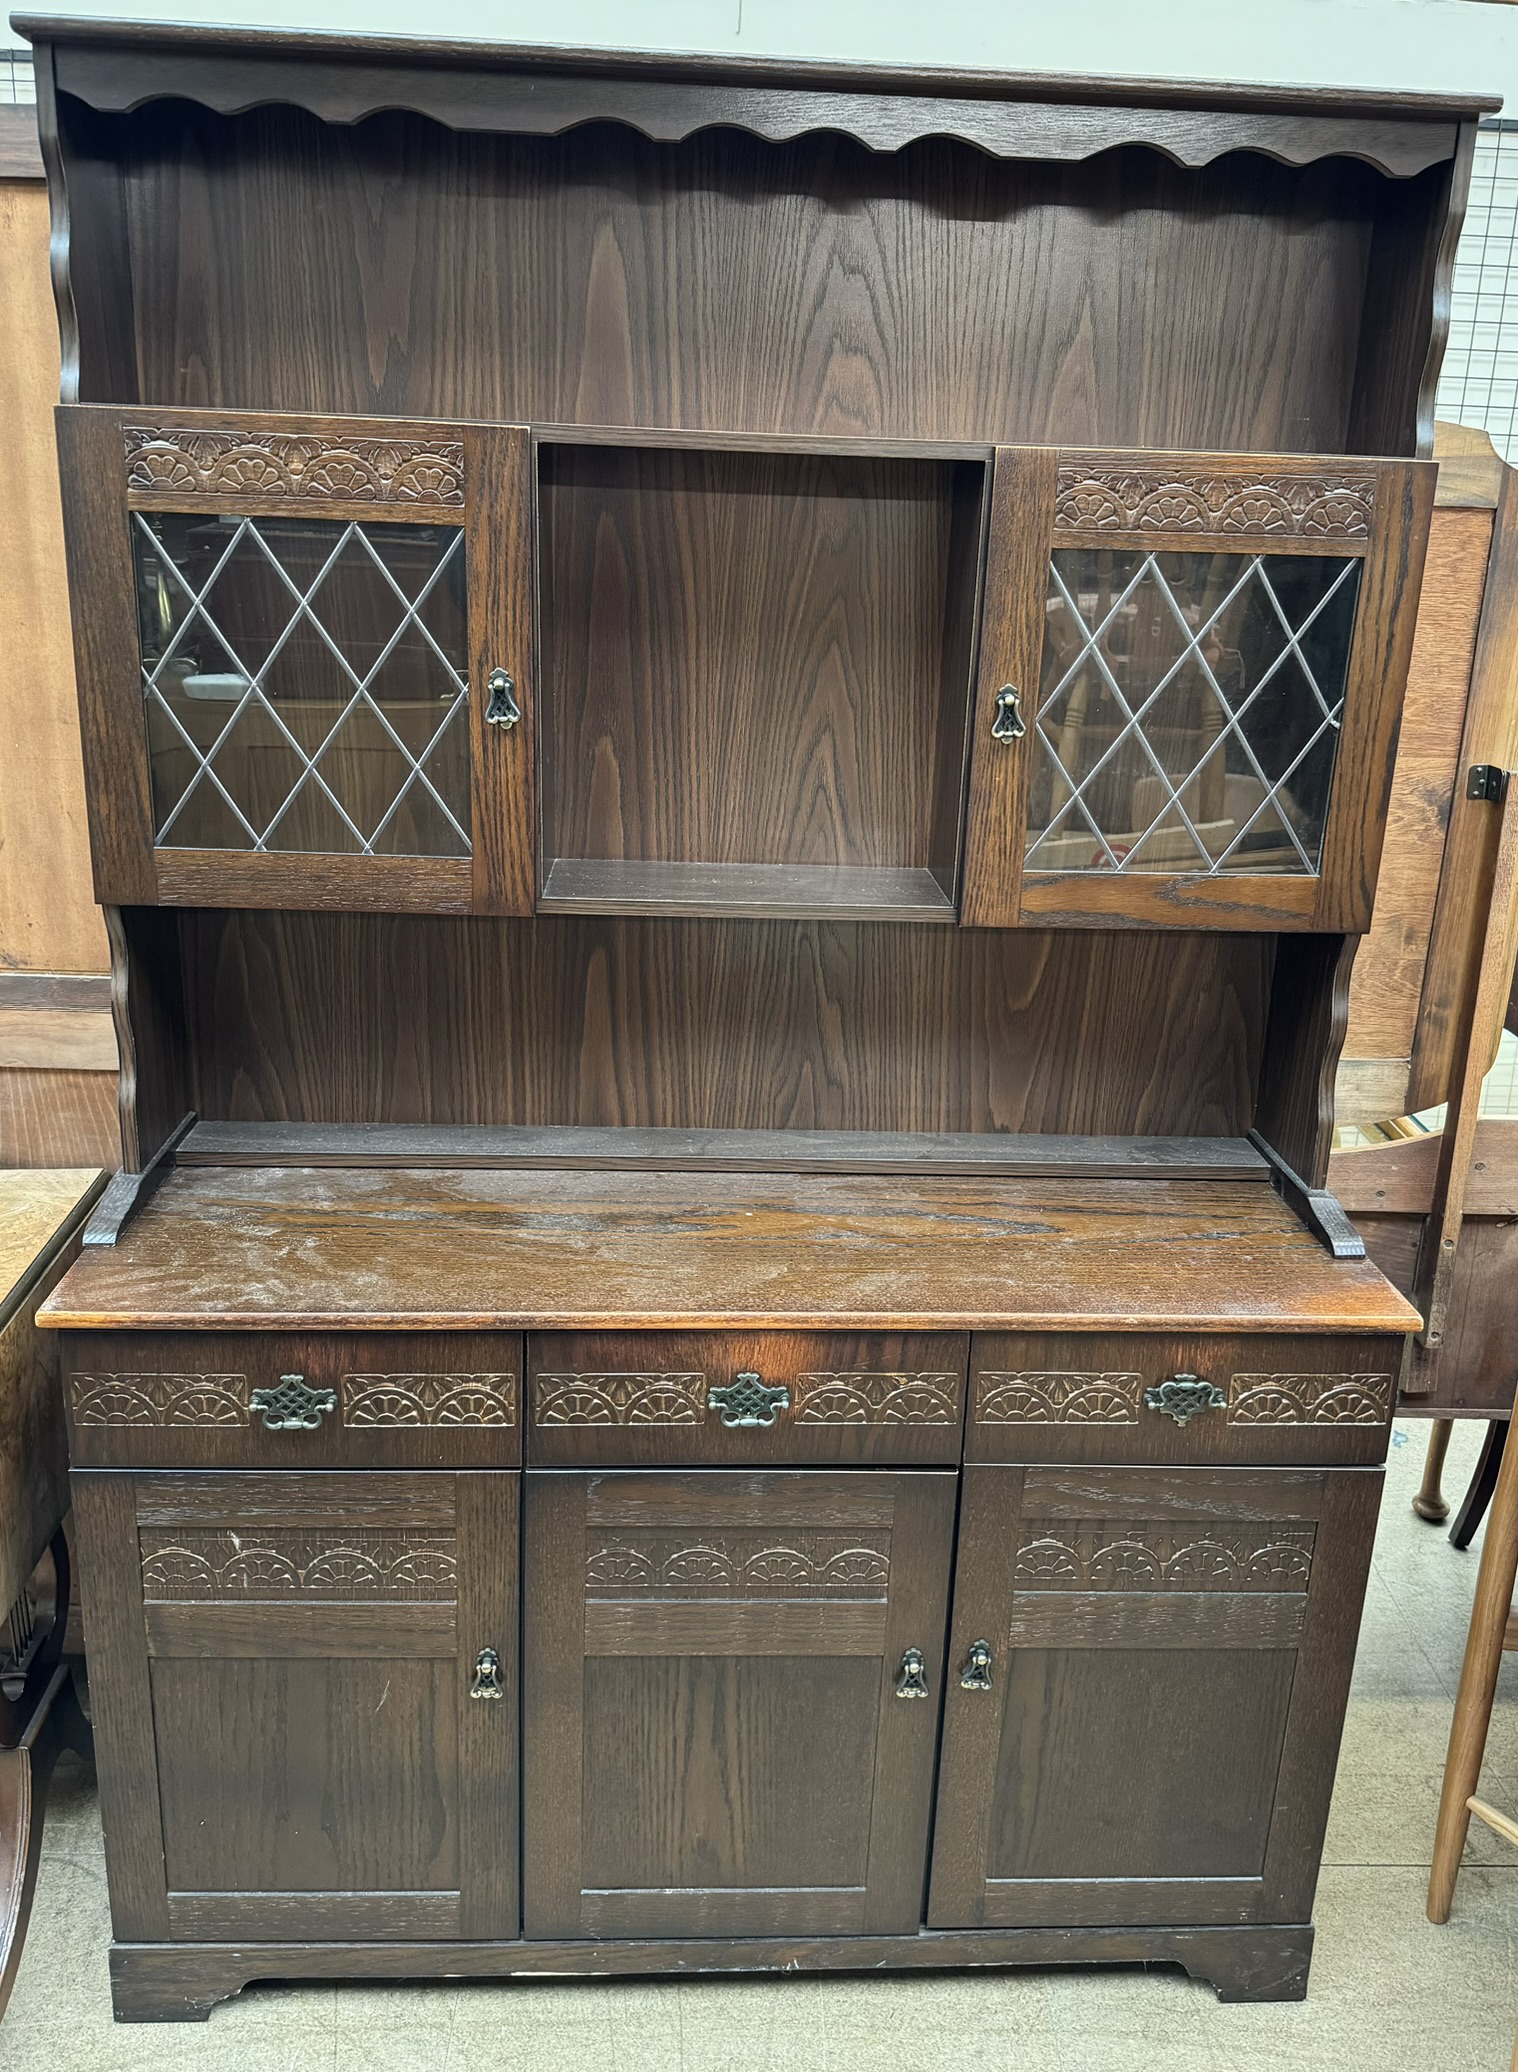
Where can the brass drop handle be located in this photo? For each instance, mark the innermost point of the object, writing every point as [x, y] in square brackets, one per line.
[294, 1406]
[1007, 722]
[487, 1675]
[912, 1677]
[976, 1674]
[501, 707]
[1185, 1396]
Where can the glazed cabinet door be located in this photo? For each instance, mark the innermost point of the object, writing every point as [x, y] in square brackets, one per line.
[304, 649]
[305, 1702]
[1145, 1689]
[1189, 686]
[731, 1690]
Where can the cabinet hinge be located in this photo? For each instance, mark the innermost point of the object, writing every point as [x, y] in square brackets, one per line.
[1486, 781]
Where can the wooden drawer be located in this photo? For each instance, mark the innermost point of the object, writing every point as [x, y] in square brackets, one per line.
[1114, 1397]
[635, 1398]
[198, 1399]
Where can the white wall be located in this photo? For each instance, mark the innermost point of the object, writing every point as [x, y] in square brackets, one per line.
[1466, 44]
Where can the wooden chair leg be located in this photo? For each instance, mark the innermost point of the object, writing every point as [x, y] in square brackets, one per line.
[1473, 1505]
[1478, 1683]
[1429, 1502]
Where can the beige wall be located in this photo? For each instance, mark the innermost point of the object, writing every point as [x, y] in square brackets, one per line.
[48, 917]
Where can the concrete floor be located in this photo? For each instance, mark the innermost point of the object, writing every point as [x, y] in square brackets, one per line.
[1387, 1990]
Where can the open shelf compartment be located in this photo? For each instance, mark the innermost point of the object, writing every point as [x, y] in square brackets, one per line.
[756, 673]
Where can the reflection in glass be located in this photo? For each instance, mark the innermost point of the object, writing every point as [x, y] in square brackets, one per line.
[306, 684]
[1189, 710]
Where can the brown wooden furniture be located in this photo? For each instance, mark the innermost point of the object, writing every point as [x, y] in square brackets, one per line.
[42, 1216]
[737, 730]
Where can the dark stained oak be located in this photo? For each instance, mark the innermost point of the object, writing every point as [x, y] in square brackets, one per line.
[1158, 1732]
[714, 1024]
[480, 1250]
[715, 1744]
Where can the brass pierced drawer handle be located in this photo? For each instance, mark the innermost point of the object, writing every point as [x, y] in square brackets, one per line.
[976, 1674]
[487, 1675]
[1007, 722]
[501, 708]
[293, 1406]
[912, 1678]
[1184, 1397]
[748, 1401]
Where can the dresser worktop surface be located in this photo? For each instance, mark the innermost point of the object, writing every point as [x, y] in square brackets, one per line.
[334, 1248]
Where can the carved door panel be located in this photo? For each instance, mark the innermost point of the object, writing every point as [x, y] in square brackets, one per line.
[1190, 681]
[304, 655]
[305, 1702]
[1145, 1691]
[731, 1689]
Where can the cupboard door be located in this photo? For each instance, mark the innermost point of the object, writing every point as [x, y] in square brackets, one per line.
[1145, 1690]
[304, 653]
[289, 1677]
[731, 1688]
[1220, 648]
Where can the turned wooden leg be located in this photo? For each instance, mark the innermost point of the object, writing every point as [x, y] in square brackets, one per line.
[1429, 1502]
[1478, 1683]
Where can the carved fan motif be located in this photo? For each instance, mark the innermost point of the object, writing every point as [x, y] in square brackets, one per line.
[228, 464]
[877, 1399]
[1057, 1398]
[1086, 1555]
[1275, 1399]
[619, 1399]
[429, 1399]
[360, 1564]
[159, 1399]
[744, 1563]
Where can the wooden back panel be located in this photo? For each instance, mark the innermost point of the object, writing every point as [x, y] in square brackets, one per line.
[720, 1024]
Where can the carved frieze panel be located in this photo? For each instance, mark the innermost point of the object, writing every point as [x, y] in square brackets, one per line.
[159, 1399]
[1287, 1399]
[1042, 1397]
[295, 467]
[877, 1399]
[619, 1399]
[1082, 1554]
[429, 1399]
[738, 1564]
[192, 1566]
[1122, 499]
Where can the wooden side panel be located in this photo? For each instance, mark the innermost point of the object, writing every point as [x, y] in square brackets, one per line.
[719, 1701]
[498, 532]
[110, 1586]
[1011, 643]
[1378, 666]
[1309, 1006]
[1470, 853]
[103, 596]
[1383, 1000]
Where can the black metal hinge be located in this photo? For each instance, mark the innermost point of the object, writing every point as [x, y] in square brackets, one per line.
[1486, 781]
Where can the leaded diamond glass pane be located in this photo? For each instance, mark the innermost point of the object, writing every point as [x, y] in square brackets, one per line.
[306, 684]
[1189, 710]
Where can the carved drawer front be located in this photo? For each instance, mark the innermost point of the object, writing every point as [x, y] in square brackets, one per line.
[1146, 1398]
[266, 1399]
[744, 1399]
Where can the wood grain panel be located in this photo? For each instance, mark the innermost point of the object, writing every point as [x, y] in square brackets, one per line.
[1383, 998]
[721, 1024]
[105, 1525]
[59, 1119]
[296, 1632]
[581, 1251]
[727, 282]
[48, 920]
[744, 657]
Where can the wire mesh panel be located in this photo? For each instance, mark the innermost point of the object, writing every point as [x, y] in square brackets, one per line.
[1189, 710]
[1478, 383]
[306, 684]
